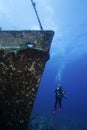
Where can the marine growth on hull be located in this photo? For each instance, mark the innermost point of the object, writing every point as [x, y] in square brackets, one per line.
[23, 56]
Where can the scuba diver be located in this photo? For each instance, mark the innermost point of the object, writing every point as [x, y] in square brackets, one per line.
[59, 94]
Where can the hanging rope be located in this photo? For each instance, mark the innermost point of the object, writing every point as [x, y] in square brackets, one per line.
[34, 6]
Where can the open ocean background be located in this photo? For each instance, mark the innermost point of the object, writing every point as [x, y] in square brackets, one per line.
[68, 66]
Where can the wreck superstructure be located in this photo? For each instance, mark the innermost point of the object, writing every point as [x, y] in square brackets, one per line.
[23, 55]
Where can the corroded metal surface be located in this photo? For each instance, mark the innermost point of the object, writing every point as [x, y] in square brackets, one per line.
[15, 39]
[21, 67]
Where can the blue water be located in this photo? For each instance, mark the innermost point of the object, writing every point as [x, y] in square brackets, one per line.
[67, 65]
[74, 109]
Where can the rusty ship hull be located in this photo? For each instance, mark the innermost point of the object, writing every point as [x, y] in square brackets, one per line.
[23, 55]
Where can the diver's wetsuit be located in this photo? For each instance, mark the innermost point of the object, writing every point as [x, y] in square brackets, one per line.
[58, 99]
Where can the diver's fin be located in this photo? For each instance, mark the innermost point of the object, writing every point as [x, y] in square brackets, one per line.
[59, 108]
[54, 112]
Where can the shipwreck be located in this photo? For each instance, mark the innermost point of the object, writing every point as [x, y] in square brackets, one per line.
[23, 55]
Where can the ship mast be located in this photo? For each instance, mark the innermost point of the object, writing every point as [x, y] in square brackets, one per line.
[34, 6]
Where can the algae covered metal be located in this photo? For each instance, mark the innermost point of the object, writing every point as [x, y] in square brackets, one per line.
[23, 55]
